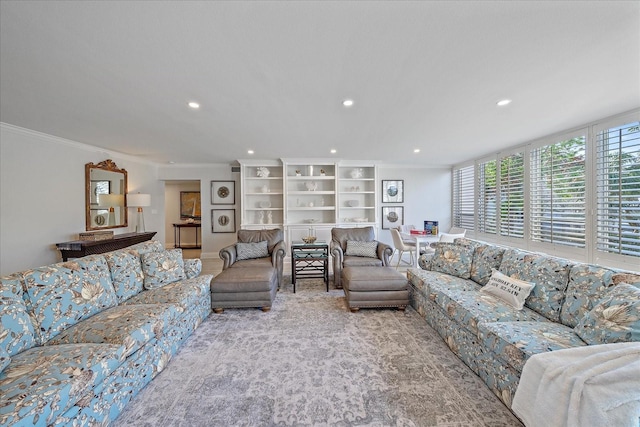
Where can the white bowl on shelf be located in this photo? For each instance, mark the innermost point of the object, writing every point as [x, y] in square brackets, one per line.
[353, 203]
[264, 204]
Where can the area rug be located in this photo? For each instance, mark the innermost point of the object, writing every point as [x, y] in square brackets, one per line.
[311, 362]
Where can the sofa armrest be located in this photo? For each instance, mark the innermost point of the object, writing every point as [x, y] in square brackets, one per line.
[338, 259]
[228, 255]
[278, 253]
[277, 259]
[384, 253]
[192, 267]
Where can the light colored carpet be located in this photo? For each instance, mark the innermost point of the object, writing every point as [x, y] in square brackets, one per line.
[311, 362]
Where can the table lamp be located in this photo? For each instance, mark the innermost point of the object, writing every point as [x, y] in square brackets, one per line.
[110, 201]
[139, 201]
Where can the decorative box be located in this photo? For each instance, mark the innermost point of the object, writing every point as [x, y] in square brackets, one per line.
[96, 235]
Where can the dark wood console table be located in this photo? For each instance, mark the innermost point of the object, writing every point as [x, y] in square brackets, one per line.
[80, 248]
[176, 235]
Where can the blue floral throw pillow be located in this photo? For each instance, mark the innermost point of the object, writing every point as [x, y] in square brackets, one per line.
[251, 250]
[4, 359]
[453, 259]
[616, 318]
[162, 268]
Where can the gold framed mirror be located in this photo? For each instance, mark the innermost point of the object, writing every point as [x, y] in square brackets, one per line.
[105, 191]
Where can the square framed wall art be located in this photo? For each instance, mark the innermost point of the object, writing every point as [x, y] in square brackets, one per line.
[392, 191]
[223, 192]
[223, 220]
[392, 216]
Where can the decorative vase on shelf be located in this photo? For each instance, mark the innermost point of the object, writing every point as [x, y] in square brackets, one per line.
[263, 172]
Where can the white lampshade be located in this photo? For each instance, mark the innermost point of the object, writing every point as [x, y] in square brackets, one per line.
[138, 200]
[110, 200]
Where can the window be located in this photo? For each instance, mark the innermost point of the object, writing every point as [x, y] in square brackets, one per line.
[512, 195]
[463, 209]
[618, 190]
[557, 196]
[575, 195]
[487, 197]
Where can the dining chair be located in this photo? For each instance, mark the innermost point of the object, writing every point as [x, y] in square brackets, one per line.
[401, 246]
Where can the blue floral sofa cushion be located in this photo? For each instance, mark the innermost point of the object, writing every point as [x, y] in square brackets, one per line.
[58, 377]
[516, 342]
[146, 247]
[192, 267]
[616, 318]
[486, 258]
[453, 259]
[130, 326]
[161, 268]
[550, 274]
[17, 333]
[587, 286]
[5, 359]
[126, 273]
[185, 294]
[62, 295]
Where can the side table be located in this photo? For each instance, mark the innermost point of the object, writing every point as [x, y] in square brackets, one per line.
[309, 260]
[176, 235]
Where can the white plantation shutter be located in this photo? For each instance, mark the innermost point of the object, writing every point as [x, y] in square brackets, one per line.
[487, 197]
[618, 190]
[557, 193]
[512, 195]
[463, 206]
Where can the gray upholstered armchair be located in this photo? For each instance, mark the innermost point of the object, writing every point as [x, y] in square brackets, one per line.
[344, 258]
[276, 250]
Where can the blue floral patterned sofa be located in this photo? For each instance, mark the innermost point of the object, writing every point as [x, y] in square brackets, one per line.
[572, 304]
[80, 339]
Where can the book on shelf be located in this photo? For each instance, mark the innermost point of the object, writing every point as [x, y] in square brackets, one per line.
[431, 228]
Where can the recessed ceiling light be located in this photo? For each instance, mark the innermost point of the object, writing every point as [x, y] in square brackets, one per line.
[250, 151]
[504, 102]
[334, 151]
[171, 162]
[194, 105]
[417, 150]
[348, 102]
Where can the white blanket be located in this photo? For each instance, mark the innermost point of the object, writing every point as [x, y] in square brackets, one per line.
[596, 385]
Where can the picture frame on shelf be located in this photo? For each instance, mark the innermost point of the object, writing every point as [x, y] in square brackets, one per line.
[190, 205]
[223, 192]
[392, 191]
[223, 220]
[392, 216]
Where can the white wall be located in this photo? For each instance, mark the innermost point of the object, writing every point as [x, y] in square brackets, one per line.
[427, 196]
[42, 199]
[211, 242]
[42, 195]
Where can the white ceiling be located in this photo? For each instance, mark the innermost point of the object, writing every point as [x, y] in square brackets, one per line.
[271, 76]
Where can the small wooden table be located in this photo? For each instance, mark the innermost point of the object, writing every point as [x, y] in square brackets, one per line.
[309, 260]
[176, 234]
[80, 248]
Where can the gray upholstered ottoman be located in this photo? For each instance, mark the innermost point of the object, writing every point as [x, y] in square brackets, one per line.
[244, 287]
[375, 287]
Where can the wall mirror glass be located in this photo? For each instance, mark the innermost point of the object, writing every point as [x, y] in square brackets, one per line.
[105, 189]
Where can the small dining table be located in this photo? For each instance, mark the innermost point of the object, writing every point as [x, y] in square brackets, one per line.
[421, 240]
